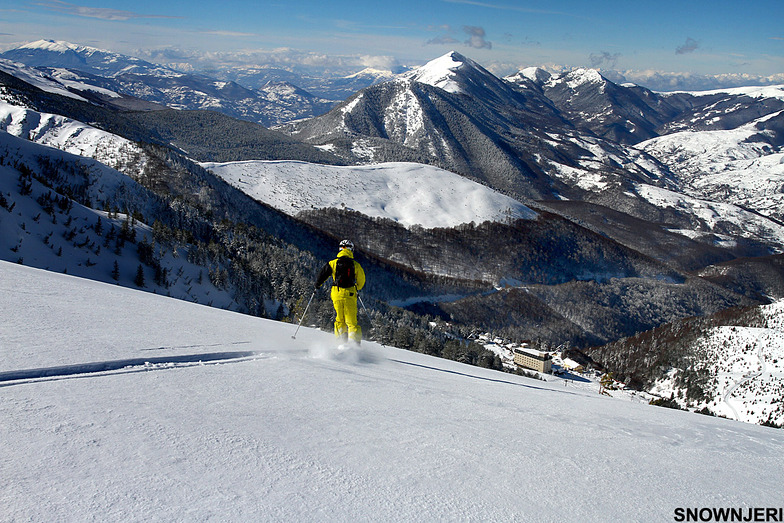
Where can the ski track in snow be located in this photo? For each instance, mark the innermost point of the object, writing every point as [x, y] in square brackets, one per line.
[126, 365]
[744, 381]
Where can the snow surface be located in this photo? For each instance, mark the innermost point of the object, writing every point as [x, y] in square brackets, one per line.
[439, 72]
[71, 136]
[725, 165]
[746, 369]
[37, 79]
[270, 428]
[408, 193]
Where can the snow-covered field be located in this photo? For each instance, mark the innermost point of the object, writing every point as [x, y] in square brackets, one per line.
[408, 193]
[270, 428]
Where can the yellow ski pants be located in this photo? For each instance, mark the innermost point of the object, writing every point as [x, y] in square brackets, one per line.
[345, 302]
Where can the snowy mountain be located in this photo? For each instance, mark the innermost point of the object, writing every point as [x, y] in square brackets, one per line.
[480, 127]
[407, 193]
[65, 55]
[123, 405]
[623, 114]
[457, 74]
[80, 68]
[740, 166]
[537, 136]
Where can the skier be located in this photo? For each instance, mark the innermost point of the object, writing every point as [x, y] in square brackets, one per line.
[347, 279]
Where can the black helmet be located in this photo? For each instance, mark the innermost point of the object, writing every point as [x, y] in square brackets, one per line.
[347, 244]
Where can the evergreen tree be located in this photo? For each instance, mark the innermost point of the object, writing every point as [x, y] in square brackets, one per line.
[139, 279]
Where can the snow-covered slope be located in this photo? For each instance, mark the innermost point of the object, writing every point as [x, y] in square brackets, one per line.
[72, 136]
[736, 166]
[746, 367]
[37, 78]
[409, 193]
[713, 217]
[230, 419]
[41, 227]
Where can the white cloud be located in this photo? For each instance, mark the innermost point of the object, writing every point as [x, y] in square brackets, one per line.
[685, 81]
[102, 13]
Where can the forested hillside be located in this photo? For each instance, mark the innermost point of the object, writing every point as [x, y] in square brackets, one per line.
[729, 364]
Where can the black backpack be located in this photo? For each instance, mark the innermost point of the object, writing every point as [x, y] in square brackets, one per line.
[345, 276]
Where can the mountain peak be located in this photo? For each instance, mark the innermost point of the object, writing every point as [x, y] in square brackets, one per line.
[49, 45]
[442, 72]
[62, 54]
[582, 76]
[457, 57]
[373, 73]
[56, 46]
[536, 75]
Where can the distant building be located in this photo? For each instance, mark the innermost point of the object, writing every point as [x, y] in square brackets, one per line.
[533, 359]
[570, 364]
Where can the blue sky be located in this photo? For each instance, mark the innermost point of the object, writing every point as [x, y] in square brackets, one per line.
[701, 37]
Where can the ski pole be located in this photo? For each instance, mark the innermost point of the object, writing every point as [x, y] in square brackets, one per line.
[294, 336]
[370, 318]
[363, 304]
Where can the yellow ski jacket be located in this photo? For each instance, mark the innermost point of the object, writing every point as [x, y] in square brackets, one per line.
[329, 271]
